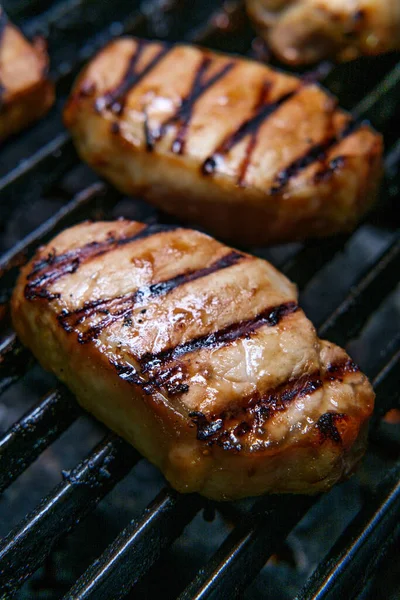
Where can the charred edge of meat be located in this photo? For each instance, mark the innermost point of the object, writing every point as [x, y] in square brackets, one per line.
[120, 307]
[171, 380]
[52, 268]
[316, 153]
[336, 371]
[115, 99]
[270, 317]
[249, 127]
[3, 25]
[324, 174]
[224, 429]
[326, 426]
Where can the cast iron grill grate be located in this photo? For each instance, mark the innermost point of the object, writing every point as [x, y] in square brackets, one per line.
[361, 286]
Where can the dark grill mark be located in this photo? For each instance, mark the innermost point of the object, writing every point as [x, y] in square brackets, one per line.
[252, 143]
[47, 271]
[3, 25]
[316, 153]
[250, 127]
[205, 429]
[266, 406]
[336, 371]
[226, 428]
[326, 425]
[324, 174]
[120, 307]
[171, 380]
[115, 99]
[270, 317]
[184, 113]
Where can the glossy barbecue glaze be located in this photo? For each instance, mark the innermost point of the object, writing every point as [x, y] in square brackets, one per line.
[25, 92]
[252, 154]
[198, 355]
[306, 31]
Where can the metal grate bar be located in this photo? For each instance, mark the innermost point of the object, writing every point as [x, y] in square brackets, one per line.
[344, 571]
[371, 106]
[246, 549]
[34, 432]
[137, 548]
[26, 546]
[348, 319]
[386, 385]
[15, 360]
[50, 227]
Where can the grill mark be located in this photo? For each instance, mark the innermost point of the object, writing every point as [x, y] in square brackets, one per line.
[225, 428]
[336, 371]
[326, 426]
[250, 127]
[316, 153]
[184, 112]
[326, 172]
[277, 400]
[47, 271]
[115, 99]
[3, 25]
[269, 317]
[121, 307]
[171, 381]
[265, 89]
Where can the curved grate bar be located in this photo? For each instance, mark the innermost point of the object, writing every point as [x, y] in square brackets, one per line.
[344, 571]
[386, 385]
[137, 548]
[245, 550]
[26, 546]
[50, 227]
[15, 360]
[348, 319]
[34, 432]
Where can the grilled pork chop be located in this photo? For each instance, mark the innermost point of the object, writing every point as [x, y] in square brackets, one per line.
[25, 92]
[253, 155]
[198, 355]
[305, 31]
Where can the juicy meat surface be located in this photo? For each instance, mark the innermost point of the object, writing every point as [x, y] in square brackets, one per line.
[198, 355]
[306, 31]
[25, 91]
[251, 154]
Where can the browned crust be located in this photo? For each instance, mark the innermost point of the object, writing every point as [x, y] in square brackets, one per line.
[20, 109]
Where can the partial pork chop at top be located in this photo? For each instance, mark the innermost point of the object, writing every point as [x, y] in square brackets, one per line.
[251, 154]
[198, 355]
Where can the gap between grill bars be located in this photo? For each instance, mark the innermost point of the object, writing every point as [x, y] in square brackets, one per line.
[138, 547]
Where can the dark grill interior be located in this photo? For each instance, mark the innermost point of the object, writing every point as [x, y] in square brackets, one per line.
[348, 288]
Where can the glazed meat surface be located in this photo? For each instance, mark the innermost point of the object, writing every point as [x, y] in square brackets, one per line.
[198, 355]
[305, 31]
[251, 154]
[25, 92]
